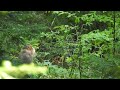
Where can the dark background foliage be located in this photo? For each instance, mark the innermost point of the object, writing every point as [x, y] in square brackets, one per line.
[73, 44]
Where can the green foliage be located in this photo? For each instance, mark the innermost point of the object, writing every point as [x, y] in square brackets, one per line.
[7, 71]
[113, 73]
[78, 43]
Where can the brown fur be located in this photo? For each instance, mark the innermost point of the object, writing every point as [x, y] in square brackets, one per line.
[27, 54]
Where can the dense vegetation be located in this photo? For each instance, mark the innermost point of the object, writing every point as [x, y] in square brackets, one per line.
[71, 44]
